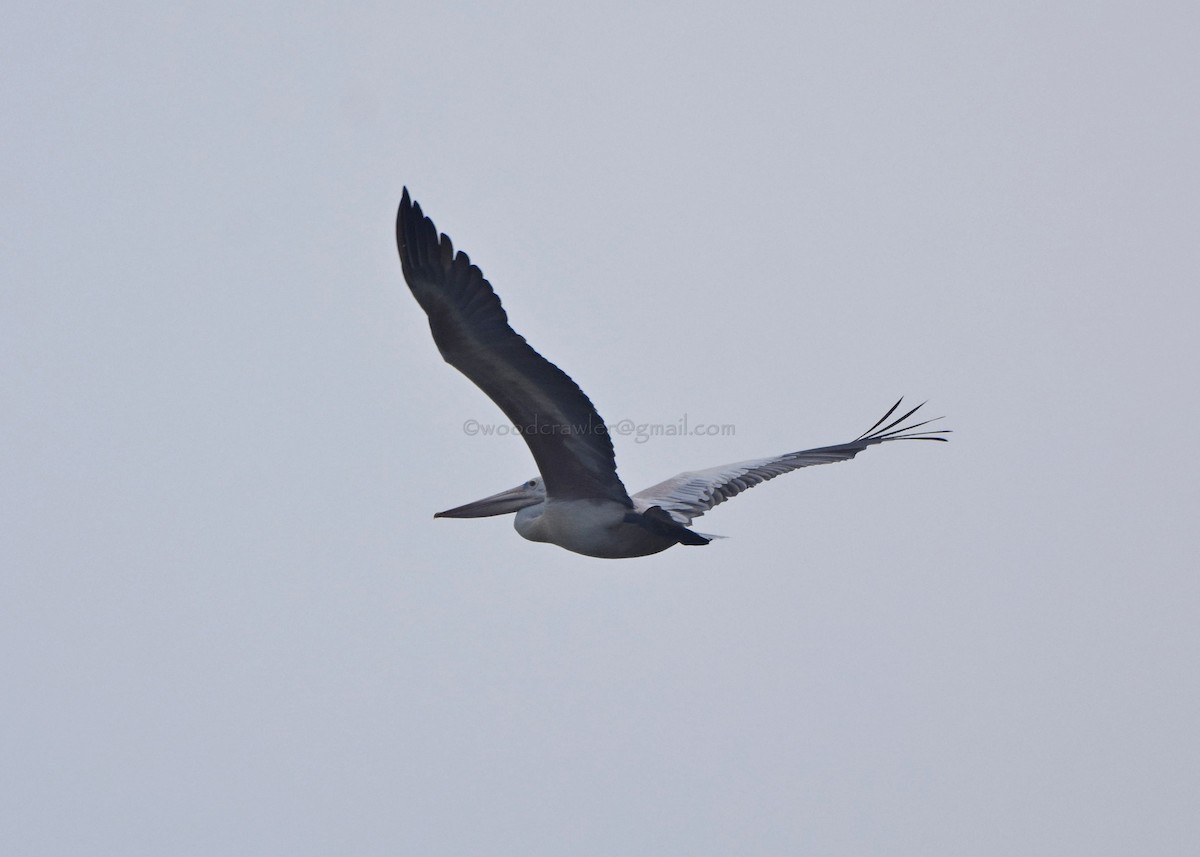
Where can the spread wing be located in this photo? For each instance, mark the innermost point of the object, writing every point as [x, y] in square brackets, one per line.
[567, 437]
[690, 495]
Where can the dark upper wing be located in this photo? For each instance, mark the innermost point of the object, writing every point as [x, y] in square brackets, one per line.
[690, 495]
[568, 439]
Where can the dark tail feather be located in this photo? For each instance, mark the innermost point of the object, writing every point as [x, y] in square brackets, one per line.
[660, 523]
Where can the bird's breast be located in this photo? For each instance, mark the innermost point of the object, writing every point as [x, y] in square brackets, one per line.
[591, 527]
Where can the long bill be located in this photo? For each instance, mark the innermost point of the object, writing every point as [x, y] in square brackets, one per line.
[504, 503]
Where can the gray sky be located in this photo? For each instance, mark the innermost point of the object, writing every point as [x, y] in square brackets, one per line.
[228, 622]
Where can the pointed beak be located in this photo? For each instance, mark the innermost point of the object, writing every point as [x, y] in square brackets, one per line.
[504, 503]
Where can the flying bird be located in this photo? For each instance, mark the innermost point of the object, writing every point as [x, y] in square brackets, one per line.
[577, 501]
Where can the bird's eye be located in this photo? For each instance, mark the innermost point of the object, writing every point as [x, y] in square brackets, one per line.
[532, 483]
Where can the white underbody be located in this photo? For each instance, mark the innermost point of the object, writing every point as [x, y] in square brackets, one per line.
[590, 527]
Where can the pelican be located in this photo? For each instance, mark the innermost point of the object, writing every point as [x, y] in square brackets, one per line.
[577, 501]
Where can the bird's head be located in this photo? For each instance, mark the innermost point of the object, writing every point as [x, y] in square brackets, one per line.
[528, 493]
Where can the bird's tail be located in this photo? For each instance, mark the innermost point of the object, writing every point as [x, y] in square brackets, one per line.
[660, 523]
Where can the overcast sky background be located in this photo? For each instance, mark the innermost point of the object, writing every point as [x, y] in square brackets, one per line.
[229, 624]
